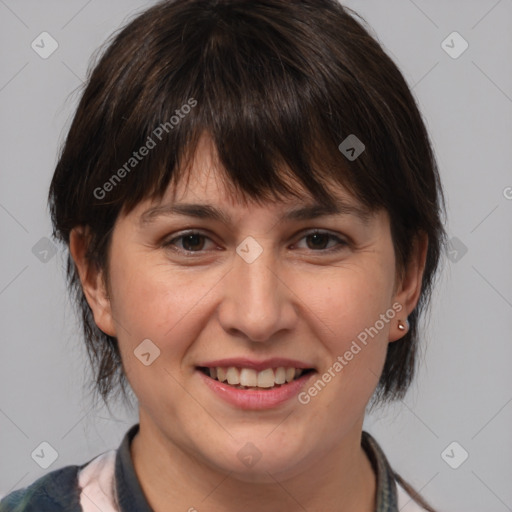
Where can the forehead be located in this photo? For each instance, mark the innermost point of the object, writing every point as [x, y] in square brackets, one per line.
[213, 202]
[204, 182]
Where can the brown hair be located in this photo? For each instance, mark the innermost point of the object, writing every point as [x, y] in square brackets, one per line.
[278, 85]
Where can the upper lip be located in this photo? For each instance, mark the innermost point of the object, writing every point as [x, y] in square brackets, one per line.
[242, 362]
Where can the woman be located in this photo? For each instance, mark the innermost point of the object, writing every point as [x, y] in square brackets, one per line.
[253, 215]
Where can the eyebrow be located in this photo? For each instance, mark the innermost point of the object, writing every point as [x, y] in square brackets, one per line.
[208, 211]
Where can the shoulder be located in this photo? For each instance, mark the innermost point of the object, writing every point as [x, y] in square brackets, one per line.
[61, 489]
[97, 485]
[56, 491]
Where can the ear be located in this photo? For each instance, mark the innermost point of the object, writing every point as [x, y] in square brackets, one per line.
[92, 279]
[408, 290]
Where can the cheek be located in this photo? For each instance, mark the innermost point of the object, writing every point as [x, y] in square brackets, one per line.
[158, 301]
[349, 300]
[346, 308]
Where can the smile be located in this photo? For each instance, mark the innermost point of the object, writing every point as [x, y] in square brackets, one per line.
[255, 390]
[248, 378]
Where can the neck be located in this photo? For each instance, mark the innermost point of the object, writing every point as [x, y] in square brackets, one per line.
[174, 480]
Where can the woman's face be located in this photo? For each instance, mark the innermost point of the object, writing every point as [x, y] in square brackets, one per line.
[254, 286]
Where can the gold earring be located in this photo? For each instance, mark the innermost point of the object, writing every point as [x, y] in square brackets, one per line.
[401, 326]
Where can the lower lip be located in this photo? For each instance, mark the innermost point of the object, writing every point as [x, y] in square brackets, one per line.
[254, 399]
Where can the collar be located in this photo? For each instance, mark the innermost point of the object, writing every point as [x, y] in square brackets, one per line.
[131, 498]
[128, 490]
[386, 495]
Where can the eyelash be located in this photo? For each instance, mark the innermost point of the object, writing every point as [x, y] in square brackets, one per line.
[341, 243]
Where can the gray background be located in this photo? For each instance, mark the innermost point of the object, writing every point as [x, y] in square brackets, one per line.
[463, 392]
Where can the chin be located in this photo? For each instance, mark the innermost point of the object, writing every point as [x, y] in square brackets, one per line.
[265, 471]
[261, 462]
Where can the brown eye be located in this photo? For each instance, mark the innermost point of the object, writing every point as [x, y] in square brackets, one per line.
[188, 242]
[193, 242]
[319, 240]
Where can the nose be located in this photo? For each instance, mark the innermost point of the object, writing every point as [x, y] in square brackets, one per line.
[257, 302]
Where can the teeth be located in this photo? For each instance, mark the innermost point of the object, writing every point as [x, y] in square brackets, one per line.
[221, 374]
[233, 376]
[280, 375]
[248, 377]
[266, 378]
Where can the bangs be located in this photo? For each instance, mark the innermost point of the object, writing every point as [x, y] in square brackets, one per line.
[268, 111]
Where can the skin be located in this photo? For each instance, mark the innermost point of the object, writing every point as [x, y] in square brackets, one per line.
[296, 300]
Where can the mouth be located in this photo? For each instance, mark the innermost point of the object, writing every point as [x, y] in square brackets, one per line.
[249, 378]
